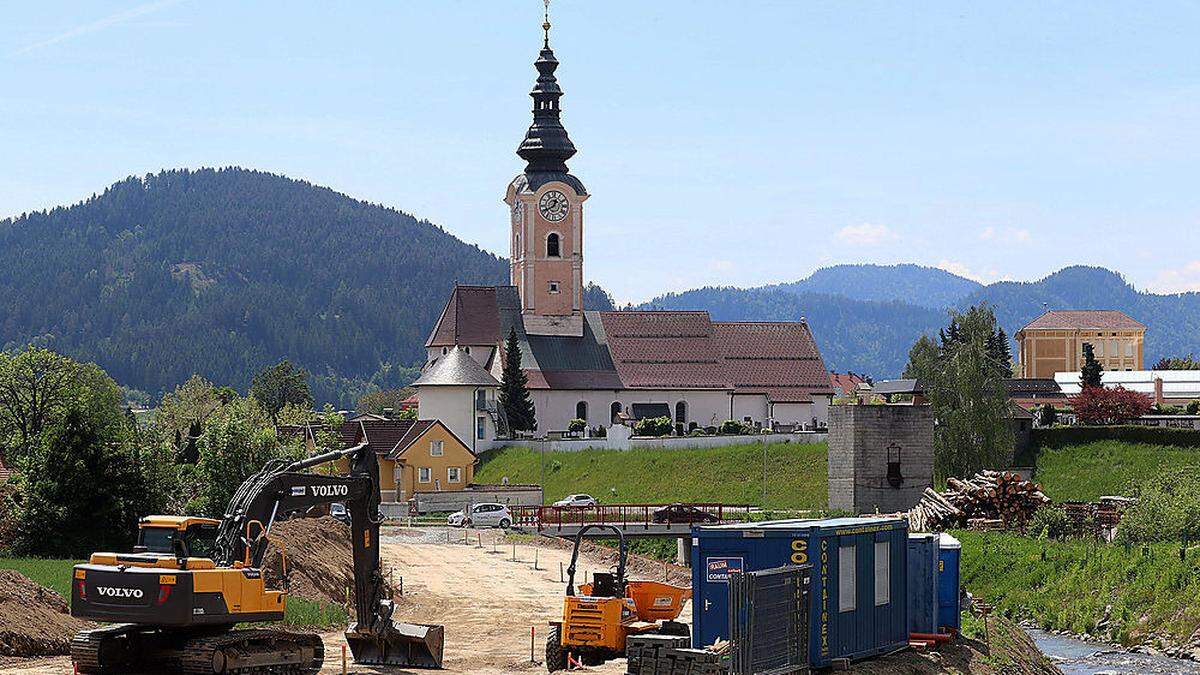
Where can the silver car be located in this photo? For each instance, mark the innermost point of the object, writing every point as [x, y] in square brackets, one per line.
[482, 515]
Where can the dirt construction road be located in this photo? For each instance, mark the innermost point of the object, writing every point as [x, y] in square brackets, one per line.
[487, 601]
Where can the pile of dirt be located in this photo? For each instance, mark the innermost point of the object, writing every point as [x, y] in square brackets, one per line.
[34, 620]
[320, 562]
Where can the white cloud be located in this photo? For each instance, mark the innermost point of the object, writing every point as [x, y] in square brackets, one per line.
[1021, 236]
[961, 269]
[1178, 280]
[721, 265]
[866, 234]
[99, 25]
[987, 232]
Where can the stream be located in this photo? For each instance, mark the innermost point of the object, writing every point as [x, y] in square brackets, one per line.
[1077, 657]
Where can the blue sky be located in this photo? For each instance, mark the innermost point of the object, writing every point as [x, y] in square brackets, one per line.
[723, 142]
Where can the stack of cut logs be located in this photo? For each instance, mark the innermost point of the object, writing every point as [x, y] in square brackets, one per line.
[989, 500]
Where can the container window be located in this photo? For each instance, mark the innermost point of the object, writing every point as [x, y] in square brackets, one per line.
[847, 588]
[883, 573]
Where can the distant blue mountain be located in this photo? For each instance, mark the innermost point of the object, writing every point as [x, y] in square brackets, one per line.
[912, 284]
[866, 317]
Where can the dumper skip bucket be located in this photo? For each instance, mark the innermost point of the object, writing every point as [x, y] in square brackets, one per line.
[401, 644]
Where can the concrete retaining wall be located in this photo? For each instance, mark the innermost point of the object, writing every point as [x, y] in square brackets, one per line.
[668, 442]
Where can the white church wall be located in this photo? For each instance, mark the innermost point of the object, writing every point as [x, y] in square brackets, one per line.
[753, 406]
[556, 408]
[455, 407]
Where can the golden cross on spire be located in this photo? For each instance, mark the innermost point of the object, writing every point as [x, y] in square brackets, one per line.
[546, 23]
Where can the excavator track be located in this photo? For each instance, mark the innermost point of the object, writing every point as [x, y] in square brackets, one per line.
[253, 651]
[102, 650]
[129, 648]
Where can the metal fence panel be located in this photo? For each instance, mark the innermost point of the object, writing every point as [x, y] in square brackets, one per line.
[768, 621]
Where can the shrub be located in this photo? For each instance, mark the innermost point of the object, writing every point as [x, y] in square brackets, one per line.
[1160, 409]
[653, 426]
[1060, 437]
[1101, 405]
[576, 425]
[1167, 508]
[1193, 407]
[733, 427]
[1049, 522]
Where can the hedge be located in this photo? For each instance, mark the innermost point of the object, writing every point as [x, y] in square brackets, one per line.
[1057, 437]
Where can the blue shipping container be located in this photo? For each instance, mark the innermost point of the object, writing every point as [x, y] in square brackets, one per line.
[922, 583]
[858, 595]
[949, 556]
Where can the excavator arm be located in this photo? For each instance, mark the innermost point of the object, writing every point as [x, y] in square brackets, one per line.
[282, 488]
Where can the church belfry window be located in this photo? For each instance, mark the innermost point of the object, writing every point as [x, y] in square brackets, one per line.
[552, 246]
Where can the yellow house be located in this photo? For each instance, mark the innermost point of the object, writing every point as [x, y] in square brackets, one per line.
[414, 455]
[1053, 342]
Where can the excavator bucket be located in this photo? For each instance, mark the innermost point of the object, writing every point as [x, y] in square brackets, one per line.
[401, 644]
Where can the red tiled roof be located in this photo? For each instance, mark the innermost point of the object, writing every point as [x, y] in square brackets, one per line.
[778, 359]
[471, 317]
[664, 350]
[845, 383]
[1087, 319]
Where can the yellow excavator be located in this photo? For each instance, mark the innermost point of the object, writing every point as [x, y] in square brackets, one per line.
[175, 603]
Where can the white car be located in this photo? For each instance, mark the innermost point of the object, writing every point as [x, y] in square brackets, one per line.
[482, 515]
[576, 500]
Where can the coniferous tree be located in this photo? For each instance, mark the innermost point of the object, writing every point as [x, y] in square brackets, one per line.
[1001, 352]
[1091, 373]
[514, 390]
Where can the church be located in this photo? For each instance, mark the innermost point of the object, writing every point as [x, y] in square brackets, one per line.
[601, 366]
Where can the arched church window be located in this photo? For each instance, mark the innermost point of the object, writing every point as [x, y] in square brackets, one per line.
[581, 411]
[552, 248]
[615, 411]
[681, 412]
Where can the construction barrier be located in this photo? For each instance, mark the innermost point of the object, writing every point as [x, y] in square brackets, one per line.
[768, 620]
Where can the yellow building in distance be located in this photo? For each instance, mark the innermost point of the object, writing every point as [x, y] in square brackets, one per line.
[1053, 342]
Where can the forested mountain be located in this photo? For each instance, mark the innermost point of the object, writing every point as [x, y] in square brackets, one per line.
[222, 272]
[867, 336]
[913, 284]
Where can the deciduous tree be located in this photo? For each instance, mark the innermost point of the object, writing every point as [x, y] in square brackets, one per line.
[279, 385]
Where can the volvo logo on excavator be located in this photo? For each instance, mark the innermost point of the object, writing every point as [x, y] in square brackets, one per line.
[114, 592]
[329, 490]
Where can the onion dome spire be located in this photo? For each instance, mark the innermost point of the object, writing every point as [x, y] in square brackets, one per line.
[546, 146]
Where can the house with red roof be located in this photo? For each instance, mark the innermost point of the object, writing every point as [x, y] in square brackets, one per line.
[600, 366]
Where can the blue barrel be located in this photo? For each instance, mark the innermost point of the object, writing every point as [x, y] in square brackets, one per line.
[923, 583]
[949, 580]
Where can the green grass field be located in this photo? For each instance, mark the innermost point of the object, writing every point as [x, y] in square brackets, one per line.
[56, 575]
[1068, 585]
[796, 474]
[1087, 472]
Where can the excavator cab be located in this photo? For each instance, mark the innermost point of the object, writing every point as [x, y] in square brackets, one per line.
[172, 535]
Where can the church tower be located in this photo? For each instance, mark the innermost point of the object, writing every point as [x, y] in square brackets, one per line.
[546, 206]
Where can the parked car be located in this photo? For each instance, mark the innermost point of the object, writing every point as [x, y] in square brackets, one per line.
[575, 500]
[681, 513]
[338, 510]
[482, 515]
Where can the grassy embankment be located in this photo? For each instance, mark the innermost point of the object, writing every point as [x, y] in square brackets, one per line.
[796, 474]
[1071, 585]
[56, 575]
[1087, 472]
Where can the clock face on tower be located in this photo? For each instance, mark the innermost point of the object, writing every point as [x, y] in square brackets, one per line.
[553, 206]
